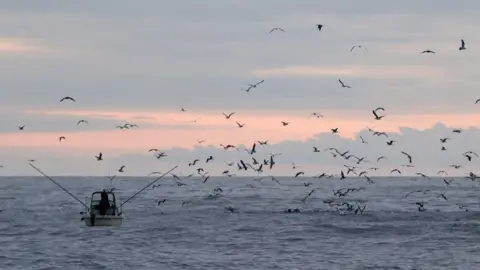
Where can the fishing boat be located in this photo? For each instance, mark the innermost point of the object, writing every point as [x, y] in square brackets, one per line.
[103, 210]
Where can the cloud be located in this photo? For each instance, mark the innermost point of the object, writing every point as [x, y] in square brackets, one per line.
[17, 46]
[132, 63]
[396, 72]
[424, 146]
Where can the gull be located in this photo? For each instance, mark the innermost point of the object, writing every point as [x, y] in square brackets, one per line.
[153, 150]
[343, 85]
[21, 127]
[448, 182]
[182, 110]
[369, 180]
[358, 46]
[363, 141]
[376, 115]
[316, 115]
[276, 29]
[153, 173]
[423, 175]
[428, 51]
[67, 98]
[160, 155]
[376, 133]
[227, 116]
[193, 163]
[443, 196]
[408, 156]
[123, 127]
[478, 100]
[82, 121]
[250, 86]
[200, 141]
[61, 138]
[457, 130]
[444, 140]
[99, 157]
[263, 142]
[298, 174]
[462, 47]
[334, 130]
[240, 125]
[380, 158]
[121, 168]
[225, 147]
[396, 170]
[285, 123]
[444, 172]
[319, 26]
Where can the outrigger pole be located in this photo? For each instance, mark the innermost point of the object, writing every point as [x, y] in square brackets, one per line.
[138, 192]
[49, 178]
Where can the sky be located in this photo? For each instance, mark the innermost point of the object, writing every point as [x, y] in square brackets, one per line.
[141, 62]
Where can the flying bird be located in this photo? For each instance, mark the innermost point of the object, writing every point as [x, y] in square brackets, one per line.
[343, 85]
[277, 29]
[99, 157]
[121, 168]
[240, 125]
[358, 46]
[408, 156]
[61, 138]
[227, 116]
[67, 98]
[316, 115]
[377, 117]
[462, 47]
[319, 26]
[428, 51]
[82, 121]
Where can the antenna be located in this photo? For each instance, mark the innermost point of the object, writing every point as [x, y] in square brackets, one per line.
[138, 192]
[49, 178]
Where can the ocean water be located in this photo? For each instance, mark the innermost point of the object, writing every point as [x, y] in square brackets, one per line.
[40, 225]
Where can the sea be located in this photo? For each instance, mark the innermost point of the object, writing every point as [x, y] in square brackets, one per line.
[244, 223]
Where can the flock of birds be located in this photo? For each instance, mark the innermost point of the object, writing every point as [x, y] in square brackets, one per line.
[261, 164]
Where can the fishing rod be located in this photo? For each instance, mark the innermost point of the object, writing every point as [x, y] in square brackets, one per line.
[49, 178]
[138, 192]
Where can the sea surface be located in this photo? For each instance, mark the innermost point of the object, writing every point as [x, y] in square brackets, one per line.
[40, 225]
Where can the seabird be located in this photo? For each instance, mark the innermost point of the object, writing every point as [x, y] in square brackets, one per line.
[343, 85]
[67, 98]
[276, 29]
[462, 47]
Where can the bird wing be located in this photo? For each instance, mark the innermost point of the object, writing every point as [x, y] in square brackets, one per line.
[463, 43]
[374, 113]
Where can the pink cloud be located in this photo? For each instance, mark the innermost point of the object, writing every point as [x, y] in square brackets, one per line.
[215, 129]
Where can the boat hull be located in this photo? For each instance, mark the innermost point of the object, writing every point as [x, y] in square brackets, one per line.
[103, 221]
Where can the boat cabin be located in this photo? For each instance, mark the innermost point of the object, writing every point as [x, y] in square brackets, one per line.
[103, 203]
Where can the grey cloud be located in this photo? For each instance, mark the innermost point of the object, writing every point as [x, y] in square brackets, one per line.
[423, 145]
[166, 55]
